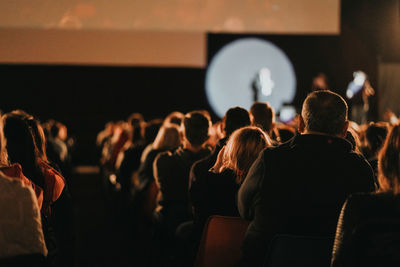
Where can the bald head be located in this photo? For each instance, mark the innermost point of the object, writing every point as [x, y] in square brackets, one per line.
[325, 112]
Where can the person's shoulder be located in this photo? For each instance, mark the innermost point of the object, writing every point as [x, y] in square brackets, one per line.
[357, 160]
[10, 185]
[203, 164]
[6, 180]
[165, 157]
[13, 170]
[274, 150]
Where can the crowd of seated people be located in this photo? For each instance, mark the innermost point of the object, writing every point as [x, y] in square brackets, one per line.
[170, 175]
[36, 204]
[288, 178]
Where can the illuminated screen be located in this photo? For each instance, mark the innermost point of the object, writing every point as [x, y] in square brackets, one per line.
[248, 70]
[113, 28]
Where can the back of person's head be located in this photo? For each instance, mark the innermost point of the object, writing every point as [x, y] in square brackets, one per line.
[136, 121]
[375, 136]
[286, 133]
[236, 118]
[55, 129]
[174, 117]
[151, 129]
[21, 146]
[324, 112]
[36, 130]
[389, 162]
[168, 137]
[263, 116]
[242, 149]
[195, 127]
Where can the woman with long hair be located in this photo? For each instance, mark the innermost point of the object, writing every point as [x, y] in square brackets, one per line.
[167, 139]
[22, 149]
[15, 170]
[215, 193]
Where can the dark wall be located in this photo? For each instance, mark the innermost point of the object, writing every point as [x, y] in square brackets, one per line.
[86, 97]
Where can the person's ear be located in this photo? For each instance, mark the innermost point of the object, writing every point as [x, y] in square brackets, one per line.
[302, 125]
[345, 128]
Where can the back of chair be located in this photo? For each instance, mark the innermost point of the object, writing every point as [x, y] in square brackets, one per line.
[299, 251]
[377, 243]
[31, 260]
[221, 242]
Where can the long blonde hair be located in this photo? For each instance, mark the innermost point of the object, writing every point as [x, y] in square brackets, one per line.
[389, 162]
[243, 148]
[168, 137]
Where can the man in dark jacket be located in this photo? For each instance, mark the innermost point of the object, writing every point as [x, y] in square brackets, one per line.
[171, 170]
[299, 187]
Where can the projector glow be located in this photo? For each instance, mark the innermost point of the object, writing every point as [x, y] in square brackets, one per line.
[246, 62]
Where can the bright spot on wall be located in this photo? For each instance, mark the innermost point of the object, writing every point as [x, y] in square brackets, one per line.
[246, 70]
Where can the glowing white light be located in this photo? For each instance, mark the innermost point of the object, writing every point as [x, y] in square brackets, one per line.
[357, 84]
[266, 82]
[359, 78]
[238, 65]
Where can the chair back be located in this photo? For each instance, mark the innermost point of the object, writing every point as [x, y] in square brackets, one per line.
[221, 242]
[376, 242]
[299, 251]
[32, 260]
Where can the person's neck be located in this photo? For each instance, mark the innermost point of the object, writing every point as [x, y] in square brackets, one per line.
[320, 133]
[192, 148]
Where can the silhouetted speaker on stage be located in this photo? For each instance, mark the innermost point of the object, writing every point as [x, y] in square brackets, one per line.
[262, 82]
[358, 93]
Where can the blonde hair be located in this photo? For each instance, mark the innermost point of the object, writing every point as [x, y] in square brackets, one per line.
[243, 148]
[168, 137]
[389, 162]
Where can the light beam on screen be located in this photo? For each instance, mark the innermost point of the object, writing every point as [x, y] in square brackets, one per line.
[248, 69]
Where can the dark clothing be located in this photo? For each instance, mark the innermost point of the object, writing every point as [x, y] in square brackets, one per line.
[205, 164]
[129, 165]
[212, 194]
[205, 188]
[145, 173]
[298, 188]
[365, 225]
[172, 173]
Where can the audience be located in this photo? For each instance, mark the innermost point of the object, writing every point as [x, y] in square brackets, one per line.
[22, 149]
[284, 179]
[298, 188]
[234, 119]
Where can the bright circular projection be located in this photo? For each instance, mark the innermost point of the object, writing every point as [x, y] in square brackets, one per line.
[246, 70]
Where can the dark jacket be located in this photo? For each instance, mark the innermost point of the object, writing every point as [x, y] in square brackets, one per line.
[298, 188]
[172, 173]
[368, 231]
[145, 173]
[212, 194]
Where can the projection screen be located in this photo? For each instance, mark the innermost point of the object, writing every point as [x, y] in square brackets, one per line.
[146, 32]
